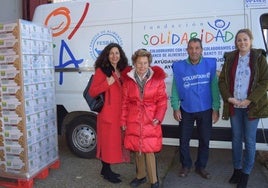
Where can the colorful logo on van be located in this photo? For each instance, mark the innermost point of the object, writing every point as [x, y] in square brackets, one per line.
[61, 16]
[59, 20]
[174, 34]
[102, 39]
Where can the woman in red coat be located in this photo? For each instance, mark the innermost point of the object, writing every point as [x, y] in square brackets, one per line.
[143, 109]
[108, 79]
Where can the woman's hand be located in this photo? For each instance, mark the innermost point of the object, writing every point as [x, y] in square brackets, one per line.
[110, 80]
[245, 103]
[123, 127]
[156, 121]
[238, 103]
[233, 101]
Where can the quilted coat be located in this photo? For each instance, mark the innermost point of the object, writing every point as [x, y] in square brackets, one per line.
[138, 111]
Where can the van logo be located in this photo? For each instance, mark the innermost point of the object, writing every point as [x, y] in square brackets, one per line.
[102, 39]
[64, 13]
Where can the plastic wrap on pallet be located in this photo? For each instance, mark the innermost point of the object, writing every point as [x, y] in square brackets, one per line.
[28, 124]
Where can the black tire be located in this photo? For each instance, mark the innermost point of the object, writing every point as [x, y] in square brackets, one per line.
[81, 136]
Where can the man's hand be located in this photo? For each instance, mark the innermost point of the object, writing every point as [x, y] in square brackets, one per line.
[177, 115]
[215, 116]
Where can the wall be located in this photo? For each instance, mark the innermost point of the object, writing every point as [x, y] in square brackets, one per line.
[10, 10]
[29, 7]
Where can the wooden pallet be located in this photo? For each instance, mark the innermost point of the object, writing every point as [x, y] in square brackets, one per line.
[28, 183]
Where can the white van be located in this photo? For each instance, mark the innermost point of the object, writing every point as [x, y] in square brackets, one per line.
[81, 29]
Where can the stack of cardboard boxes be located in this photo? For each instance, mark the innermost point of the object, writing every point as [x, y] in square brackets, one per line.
[28, 125]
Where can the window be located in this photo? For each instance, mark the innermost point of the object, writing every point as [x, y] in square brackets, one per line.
[264, 27]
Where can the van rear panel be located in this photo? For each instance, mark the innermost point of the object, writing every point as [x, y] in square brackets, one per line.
[81, 29]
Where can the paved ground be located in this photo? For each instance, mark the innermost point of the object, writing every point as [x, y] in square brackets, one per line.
[75, 172]
[221, 169]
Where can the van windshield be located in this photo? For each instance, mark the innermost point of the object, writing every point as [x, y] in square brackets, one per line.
[264, 26]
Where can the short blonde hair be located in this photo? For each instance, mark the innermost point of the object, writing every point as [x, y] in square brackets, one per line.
[141, 53]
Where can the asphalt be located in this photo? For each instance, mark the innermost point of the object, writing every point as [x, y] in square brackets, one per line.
[220, 167]
[76, 172]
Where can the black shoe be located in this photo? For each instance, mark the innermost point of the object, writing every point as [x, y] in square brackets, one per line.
[236, 176]
[116, 175]
[155, 185]
[106, 169]
[243, 181]
[111, 178]
[136, 182]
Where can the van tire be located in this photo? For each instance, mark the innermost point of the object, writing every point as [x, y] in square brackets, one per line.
[81, 136]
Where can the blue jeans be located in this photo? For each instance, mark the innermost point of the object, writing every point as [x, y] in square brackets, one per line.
[243, 129]
[204, 125]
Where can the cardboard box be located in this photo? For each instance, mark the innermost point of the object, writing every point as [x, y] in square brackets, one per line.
[8, 27]
[27, 100]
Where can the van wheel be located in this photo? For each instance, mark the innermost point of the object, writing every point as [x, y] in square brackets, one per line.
[82, 137]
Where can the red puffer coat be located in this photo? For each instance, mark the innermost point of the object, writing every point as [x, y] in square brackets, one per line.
[139, 111]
